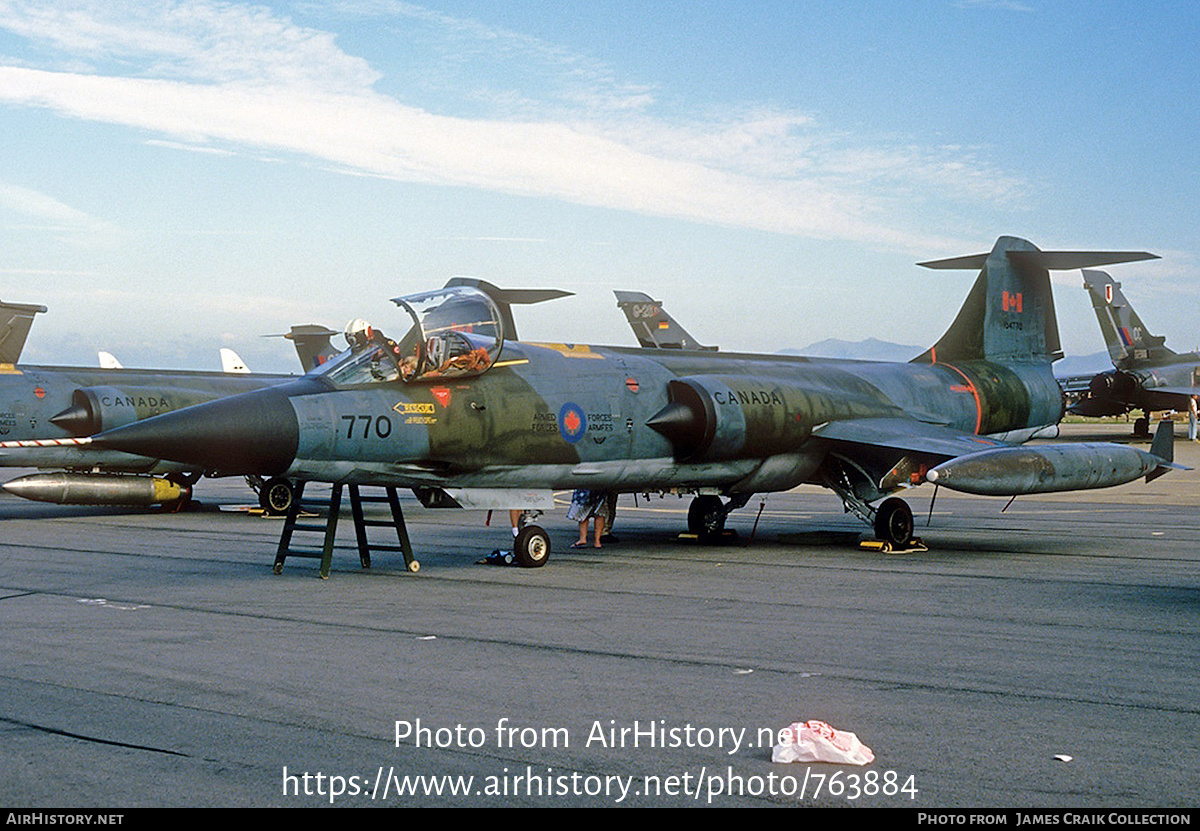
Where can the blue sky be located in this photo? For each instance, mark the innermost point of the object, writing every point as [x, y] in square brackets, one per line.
[179, 176]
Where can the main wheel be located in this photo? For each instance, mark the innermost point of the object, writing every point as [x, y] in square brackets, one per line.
[531, 547]
[276, 495]
[706, 517]
[1141, 426]
[894, 521]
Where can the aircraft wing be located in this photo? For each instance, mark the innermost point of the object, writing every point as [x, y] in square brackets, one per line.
[906, 434]
[989, 467]
[1175, 390]
[1075, 384]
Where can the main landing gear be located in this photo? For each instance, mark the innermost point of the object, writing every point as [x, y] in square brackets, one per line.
[707, 513]
[894, 522]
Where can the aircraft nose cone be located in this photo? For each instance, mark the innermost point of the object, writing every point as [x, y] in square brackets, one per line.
[252, 433]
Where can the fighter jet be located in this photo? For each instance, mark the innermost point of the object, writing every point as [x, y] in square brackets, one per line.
[1146, 375]
[45, 411]
[456, 404]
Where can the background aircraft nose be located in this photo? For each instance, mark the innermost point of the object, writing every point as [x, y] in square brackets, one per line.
[251, 433]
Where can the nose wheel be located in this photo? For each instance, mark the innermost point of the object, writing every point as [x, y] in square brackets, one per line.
[275, 496]
[531, 547]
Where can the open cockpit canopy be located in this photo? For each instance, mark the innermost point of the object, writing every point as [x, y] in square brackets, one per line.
[454, 333]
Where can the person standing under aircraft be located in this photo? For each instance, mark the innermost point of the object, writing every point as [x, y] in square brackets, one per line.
[586, 505]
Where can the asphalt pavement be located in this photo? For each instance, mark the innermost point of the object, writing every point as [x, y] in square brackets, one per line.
[1040, 655]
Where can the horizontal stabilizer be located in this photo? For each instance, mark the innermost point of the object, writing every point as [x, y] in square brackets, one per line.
[1068, 260]
[519, 297]
[1050, 260]
[969, 262]
[506, 298]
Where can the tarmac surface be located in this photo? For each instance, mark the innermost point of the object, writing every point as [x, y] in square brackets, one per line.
[1047, 656]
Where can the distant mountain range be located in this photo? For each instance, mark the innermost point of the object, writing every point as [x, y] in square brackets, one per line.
[873, 349]
[870, 349]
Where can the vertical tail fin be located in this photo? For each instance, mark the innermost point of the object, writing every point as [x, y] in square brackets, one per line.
[15, 320]
[1009, 313]
[1124, 333]
[652, 326]
[232, 362]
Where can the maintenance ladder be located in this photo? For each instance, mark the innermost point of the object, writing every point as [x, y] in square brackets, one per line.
[329, 528]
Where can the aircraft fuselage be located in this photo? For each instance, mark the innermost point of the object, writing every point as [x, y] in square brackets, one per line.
[564, 417]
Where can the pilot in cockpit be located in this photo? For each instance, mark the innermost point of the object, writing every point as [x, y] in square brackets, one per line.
[385, 353]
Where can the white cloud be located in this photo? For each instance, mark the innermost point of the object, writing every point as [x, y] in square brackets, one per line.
[55, 216]
[224, 77]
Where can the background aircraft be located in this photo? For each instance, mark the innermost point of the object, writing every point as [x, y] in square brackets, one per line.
[15, 320]
[1146, 375]
[652, 326]
[455, 405]
[45, 410]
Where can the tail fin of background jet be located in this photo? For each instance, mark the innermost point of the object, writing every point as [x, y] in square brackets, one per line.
[312, 343]
[232, 362]
[15, 320]
[1009, 313]
[1124, 333]
[108, 360]
[652, 326]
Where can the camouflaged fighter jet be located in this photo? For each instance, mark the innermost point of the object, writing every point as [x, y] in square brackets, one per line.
[1146, 375]
[458, 406]
[46, 411]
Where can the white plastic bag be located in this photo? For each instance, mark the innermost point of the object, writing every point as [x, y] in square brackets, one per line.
[816, 741]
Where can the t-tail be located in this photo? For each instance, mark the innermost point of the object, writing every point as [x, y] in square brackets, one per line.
[1009, 316]
[652, 326]
[1129, 343]
[313, 345]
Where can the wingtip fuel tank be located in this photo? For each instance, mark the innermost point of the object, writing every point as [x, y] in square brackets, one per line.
[97, 489]
[1013, 471]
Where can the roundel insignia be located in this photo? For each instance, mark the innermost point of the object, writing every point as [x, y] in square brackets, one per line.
[572, 423]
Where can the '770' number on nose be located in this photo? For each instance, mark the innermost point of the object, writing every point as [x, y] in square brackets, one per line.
[382, 426]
